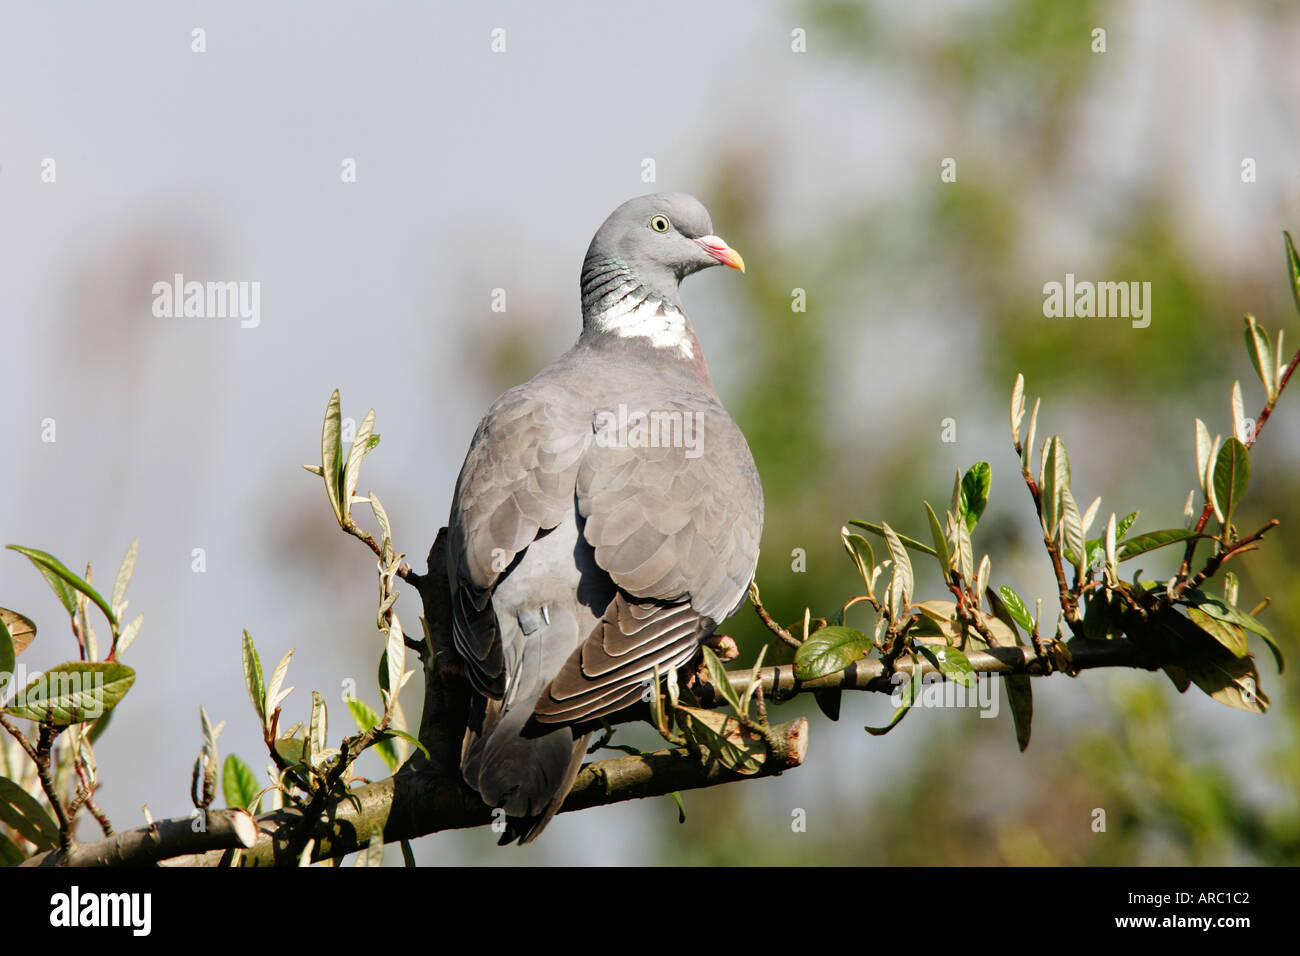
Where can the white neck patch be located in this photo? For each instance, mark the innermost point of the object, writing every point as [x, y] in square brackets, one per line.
[641, 315]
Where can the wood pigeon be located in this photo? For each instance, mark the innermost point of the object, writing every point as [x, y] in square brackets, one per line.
[606, 519]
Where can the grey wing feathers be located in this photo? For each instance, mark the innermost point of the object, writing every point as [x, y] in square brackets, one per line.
[517, 480]
[679, 537]
[608, 672]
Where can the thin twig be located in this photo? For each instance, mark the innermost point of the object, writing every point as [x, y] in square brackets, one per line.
[44, 746]
[19, 736]
[100, 817]
[767, 620]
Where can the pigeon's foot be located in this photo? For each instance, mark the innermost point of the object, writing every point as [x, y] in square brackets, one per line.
[723, 646]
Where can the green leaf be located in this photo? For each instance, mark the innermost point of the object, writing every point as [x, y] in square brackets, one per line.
[274, 695]
[9, 852]
[829, 650]
[318, 726]
[1208, 483]
[209, 752]
[290, 750]
[723, 738]
[238, 783]
[1178, 676]
[1152, 540]
[7, 656]
[1240, 426]
[828, 701]
[1020, 696]
[72, 693]
[124, 575]
[127, 637]
[1027, 449]
[1003, 614]
[859, 549]
[331, 453]
[950, 662]
[1091, 514]
[1072, 531]
[20, 810]
[899, 592]
[360, 446]
[908, 692]
[1229, 635]
[975, 487]
[1017, 408]
[1230, 588]
[253, 679]
[392, 732]
[1101, 617]
[1261, 356]
[366, 718]
[53, 571]
[394, 662]
[940, 541]
[1293, 268]
[1016, 608]
[909, 543]
[718, 678]
[408, 855]
[657, 715]
[1056, 479]
[1233, 681]
[959, 543]
[1230, 614]
[1231, 476]
[1097, 546]
[21, 629]
[939, 619]
[755, 679]
[385, 529]
[681, 807]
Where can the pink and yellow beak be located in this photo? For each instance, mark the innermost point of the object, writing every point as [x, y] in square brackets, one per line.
[721, 251]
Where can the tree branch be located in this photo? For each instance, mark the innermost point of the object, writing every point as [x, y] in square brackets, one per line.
[411, 804]
[426, 795]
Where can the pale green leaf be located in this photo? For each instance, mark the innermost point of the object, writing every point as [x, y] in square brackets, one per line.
[72, 693]
[253, 679]
[20, 810]
[331, 452]
[718, 678]
[124, 576]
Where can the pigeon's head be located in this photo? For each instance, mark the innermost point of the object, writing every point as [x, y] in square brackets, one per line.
[659, 240]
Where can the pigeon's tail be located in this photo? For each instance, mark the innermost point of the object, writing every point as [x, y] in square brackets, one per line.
[524, 769]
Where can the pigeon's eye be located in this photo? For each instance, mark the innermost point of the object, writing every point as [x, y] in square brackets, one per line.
[660, 223]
